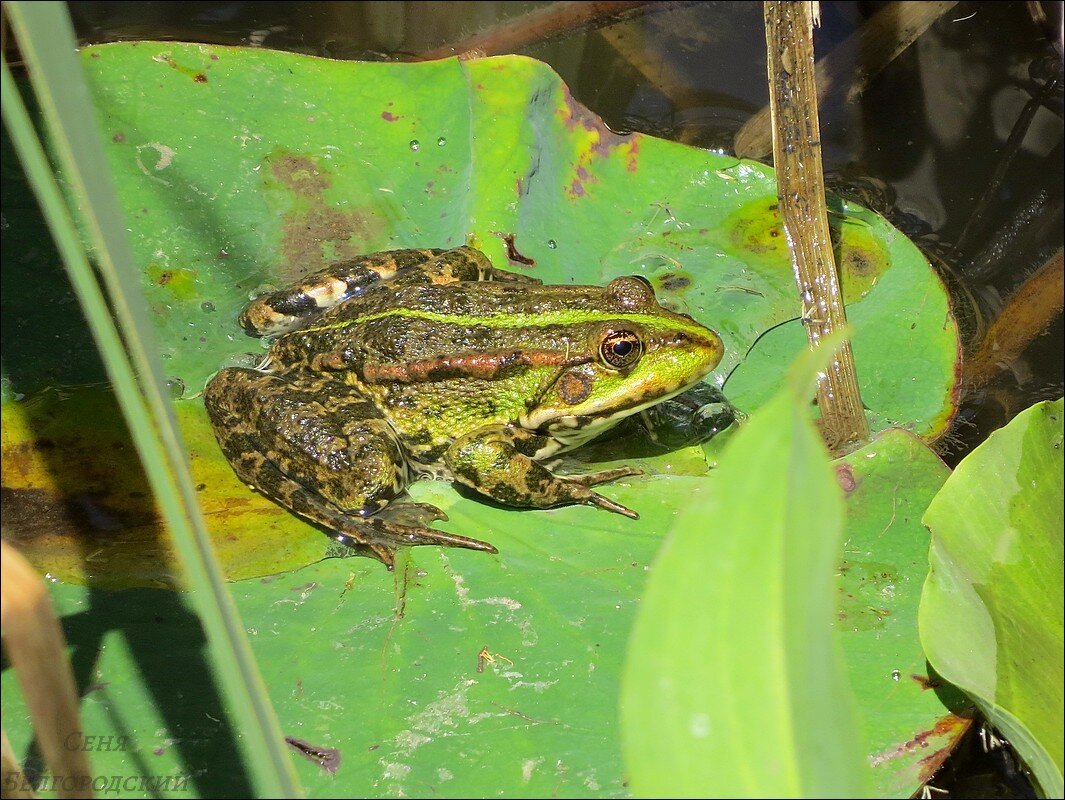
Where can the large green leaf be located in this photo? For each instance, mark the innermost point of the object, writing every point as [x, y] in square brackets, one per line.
[991, 613]
[241, 169]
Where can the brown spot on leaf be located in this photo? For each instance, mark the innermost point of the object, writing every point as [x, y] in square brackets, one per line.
[757, 229]
[596, 140]
[862, 261]
[199, 77]
[300, 174]
[926, 682]
[388, 116]
[845, 477]
[314, 233]
[118, 138]
[632, 162]
[512, 251]
[939, 740]
[577, 117]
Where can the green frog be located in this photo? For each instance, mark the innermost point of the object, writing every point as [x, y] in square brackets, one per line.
[412, 363]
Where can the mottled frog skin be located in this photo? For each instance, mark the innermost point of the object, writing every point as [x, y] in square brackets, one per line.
[413, 363]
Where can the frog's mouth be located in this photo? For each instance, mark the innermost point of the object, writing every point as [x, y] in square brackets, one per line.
[573, 430]
[574, 423]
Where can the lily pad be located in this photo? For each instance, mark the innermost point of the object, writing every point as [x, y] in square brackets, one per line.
[991, 614]
[911, 719]
[244, 169]
[461, 673]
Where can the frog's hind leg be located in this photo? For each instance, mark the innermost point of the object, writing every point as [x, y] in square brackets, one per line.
[291, 307]
[294, 306]
[336, 467]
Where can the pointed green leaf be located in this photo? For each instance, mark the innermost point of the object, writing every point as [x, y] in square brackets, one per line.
[991, 613]
[734, 684]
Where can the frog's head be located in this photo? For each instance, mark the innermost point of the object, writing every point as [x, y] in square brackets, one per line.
[636, 354]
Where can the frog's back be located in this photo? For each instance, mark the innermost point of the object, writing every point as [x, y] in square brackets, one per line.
[402, 325]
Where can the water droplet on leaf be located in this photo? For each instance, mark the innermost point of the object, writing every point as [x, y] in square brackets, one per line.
[175, 387]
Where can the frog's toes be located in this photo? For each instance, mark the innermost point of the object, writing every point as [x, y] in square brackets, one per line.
[349, 545]
[595, 499]
[385, 532]
[605, 476]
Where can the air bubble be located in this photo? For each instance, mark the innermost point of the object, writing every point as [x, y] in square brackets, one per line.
[552, 243]
[415, 145]
[441, 141]
[207, 306]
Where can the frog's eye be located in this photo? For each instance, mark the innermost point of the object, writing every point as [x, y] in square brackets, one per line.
[620, 349]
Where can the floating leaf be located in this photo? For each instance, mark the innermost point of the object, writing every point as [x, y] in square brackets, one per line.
[462, 673]
[244, 169]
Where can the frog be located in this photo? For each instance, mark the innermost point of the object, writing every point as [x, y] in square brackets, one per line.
[433, 363]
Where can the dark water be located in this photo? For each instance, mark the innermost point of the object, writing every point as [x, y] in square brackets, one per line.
[958, 141]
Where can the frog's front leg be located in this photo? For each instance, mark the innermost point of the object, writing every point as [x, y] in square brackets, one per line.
[498, 461]
[320, 450]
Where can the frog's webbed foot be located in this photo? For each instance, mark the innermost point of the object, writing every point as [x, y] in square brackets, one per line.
[382, 537]
[380, 533]
[404, 524]
[605, 476]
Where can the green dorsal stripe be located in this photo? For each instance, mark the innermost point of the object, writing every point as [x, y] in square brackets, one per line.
[546, 319]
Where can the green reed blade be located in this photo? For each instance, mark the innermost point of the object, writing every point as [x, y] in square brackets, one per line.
[46, 40]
